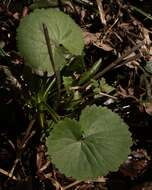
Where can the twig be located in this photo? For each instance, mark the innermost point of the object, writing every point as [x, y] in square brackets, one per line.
[7, 174]
[56, 71]
[26, 139]
[55, 182]
[44, 167]
[13, 168]
[72, 184]
[8, 4]
[29, 129]
[112, 65]
[128, 60]
[83, 2]
[107, 95]
[115, 63]
[109, 29]
[17, 160]
[101, 12]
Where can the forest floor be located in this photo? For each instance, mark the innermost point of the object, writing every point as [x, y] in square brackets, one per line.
[120, 33]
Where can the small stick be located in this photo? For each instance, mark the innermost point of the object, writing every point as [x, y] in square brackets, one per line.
[107, 95]
[72, 184]
[29, 129]
[26, 139]
[56, 71]
[101, 12]
[13, 168]
[112, 65]
[128, 60]
[47, 39]
[7, 174]
[55, 182]
[109, 29]
[115, 63]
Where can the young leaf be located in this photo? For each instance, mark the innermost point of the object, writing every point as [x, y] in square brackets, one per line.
[96, 144]
[67, 81]
[92, 71]
[62, 32]
[105, 87]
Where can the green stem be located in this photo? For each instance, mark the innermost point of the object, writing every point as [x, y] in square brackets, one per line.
[90, 73]
[48, 88]
[51, 111]
[41, 119]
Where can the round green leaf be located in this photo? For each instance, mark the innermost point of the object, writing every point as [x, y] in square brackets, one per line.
[93, 146]
[63, 31]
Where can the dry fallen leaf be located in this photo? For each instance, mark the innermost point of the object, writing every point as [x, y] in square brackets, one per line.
[89, 38]
[104, 46]
[94, 38]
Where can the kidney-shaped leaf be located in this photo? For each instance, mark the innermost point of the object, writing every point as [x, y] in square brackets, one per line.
[63, 31]
[93, 146]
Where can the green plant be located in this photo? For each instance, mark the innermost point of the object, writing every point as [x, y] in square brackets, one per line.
[83, 148]
[65, 36]
[90, 147]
